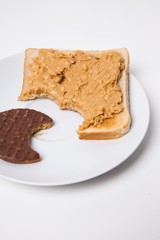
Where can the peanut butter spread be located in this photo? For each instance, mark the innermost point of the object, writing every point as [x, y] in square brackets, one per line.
[86, 82]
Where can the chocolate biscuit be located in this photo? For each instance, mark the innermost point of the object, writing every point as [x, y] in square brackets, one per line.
[16, 128]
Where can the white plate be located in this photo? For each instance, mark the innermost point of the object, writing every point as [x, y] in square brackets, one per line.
[65, 158]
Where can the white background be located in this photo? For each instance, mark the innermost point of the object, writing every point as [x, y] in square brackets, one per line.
[124, 203]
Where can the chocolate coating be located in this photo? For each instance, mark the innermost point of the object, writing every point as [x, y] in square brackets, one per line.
[16, 128]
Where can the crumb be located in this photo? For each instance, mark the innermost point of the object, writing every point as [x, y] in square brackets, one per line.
[39, 134]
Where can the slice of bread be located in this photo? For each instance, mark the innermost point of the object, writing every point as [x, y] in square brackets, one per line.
[113, 127]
